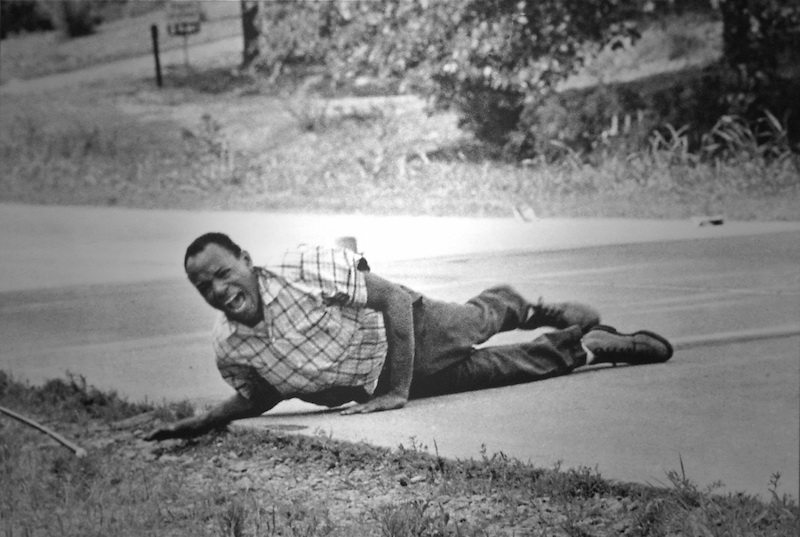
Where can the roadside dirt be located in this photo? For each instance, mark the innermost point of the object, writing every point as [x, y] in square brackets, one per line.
[356, 489]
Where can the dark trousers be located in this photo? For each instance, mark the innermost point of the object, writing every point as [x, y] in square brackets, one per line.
[446, 360]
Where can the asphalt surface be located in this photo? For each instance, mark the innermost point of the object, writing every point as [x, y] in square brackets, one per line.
[226, 51]
[99, 293]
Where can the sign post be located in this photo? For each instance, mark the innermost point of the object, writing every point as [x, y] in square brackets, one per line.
[183, 19]
[154, 37]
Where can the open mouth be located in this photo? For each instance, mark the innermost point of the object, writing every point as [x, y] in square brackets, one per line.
[236, 303]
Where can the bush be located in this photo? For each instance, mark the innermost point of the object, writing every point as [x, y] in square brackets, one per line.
[756, 33]
[622, 118]
[503, 86]
[761, 38]
[487, 59]
[73, 18]
[22, 16]
[575, 121]
[290, 34]
[498, 63]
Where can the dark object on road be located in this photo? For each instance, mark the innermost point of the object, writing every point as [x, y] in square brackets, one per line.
[716, 220]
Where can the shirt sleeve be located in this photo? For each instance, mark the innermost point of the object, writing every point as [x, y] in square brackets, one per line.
[334, 272]
[240, 378]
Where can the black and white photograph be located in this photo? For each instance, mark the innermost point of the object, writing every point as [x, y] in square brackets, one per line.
[400, 268]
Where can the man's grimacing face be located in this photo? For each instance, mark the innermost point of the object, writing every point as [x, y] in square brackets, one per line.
[228, 283]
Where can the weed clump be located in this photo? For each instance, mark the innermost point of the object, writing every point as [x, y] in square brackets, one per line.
[70, 399]
[245, 482]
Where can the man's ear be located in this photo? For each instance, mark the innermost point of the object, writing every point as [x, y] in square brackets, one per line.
[247, 259]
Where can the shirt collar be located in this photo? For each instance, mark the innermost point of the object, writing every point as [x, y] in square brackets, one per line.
[268, 288]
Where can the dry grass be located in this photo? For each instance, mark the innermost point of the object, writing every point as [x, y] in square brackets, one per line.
[240, 149]
[262, 483]
[212, 139]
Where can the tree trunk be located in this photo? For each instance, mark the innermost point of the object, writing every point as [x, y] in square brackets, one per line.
[250, 32]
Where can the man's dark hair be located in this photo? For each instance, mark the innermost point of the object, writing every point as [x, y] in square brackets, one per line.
[200, 243]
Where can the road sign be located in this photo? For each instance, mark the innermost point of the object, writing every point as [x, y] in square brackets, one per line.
[184, 17]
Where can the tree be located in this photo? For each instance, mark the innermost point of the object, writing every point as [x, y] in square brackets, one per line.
[487, 58]
[73, 18]
[761, 38]
[22, 15]
[757, 32]
[250, 31]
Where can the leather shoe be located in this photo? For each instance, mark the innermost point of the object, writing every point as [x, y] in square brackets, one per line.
[642, 347]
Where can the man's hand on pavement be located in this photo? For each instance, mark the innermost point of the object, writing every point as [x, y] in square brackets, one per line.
[234, 408]
[377, 404]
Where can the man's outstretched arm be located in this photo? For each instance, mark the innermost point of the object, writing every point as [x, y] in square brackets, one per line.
[395, 304]
[234, 408]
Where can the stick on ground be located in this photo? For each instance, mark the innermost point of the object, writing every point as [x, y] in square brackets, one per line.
[79, 451]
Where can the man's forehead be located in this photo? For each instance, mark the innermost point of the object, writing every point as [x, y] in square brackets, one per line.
[209, 259]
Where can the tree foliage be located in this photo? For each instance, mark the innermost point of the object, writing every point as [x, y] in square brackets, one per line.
[759, 36]
[73, 18]
[22, 16]
[507, 55]
[757, 32]
[484, 57]
[496, 61]
[760, 70]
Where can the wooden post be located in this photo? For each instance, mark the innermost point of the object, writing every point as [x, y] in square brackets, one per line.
[186, 50]
[154, 35]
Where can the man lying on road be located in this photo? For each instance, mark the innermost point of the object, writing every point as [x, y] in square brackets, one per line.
[323, 328]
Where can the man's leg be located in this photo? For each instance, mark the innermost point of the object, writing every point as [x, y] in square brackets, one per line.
[503, 308]
[445, 333]
[549, 355]
[555, 353]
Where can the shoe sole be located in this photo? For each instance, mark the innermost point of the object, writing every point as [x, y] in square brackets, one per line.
[657, 337]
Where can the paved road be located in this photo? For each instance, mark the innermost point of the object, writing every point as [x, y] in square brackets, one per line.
[225, 52]
[729, 411]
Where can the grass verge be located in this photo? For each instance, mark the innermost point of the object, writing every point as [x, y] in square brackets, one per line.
[215, 139]
[238, 148]
[244, 482]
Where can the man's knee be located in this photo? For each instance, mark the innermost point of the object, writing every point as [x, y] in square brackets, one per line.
[503, 290]
[503, 295]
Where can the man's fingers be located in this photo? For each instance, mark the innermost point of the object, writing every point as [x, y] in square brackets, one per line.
[153, 436]
[161, 433]
[376, 405]
[357, 409]
[364, 408]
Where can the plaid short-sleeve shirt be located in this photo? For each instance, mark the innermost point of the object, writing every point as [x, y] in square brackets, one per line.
[317, 332]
